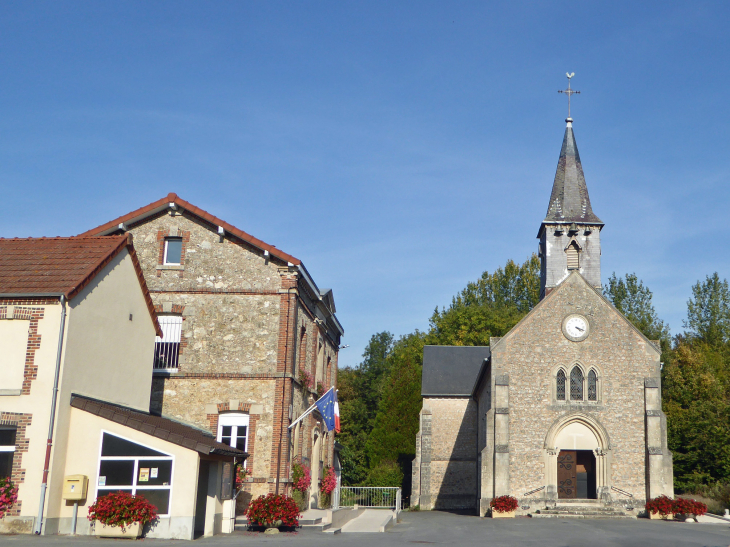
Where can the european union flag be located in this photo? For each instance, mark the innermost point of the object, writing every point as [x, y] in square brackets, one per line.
[326, 406]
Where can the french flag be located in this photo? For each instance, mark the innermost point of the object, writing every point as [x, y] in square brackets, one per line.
[337, 414]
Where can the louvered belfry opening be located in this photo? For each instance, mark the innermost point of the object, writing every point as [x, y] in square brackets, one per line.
[573, 256]
[576, 384]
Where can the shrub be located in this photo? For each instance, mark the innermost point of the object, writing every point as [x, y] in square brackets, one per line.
[682, 506]
[503, 504]
[122, 509]
[301, 476]
[8, 495]
[329, 481]
[268, 510]
[386, 473]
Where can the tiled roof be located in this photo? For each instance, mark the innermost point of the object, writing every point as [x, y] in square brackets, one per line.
[452, 370]
[569, 201]
[62, 265]
[162, 204]
[157, 426]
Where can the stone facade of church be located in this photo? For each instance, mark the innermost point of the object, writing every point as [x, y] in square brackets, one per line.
[564, 407]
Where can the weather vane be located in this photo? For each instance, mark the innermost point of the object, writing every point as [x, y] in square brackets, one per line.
[569, 91]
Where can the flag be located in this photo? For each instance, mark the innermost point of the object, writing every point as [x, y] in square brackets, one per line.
[337, 414]
[326, 405]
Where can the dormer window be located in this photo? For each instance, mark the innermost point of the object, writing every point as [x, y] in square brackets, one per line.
[173, 251]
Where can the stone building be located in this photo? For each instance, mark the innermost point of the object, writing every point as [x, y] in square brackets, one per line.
[566, 407]
[249, 338]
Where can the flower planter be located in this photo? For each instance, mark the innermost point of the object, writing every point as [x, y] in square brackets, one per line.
[659, 516]
[133, 531]
[505, 515]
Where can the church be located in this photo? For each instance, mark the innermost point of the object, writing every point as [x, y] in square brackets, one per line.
[564, 412]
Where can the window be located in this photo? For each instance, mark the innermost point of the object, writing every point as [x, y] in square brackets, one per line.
[135, 468]
[560, 385]
[576, 384]
[573, 259]
[233, 430]
[173, 251]
[7, 451]
[592, 386]
[167, 348]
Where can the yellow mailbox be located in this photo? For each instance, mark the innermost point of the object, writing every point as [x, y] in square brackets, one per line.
[75, 486]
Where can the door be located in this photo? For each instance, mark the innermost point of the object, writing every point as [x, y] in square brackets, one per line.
[567, 474]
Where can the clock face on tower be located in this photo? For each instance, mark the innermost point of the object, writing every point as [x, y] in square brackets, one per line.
[576, 327]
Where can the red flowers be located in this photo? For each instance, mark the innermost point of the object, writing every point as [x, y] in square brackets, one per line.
[122, 509]
[679, 506]
[268, 510]
[8, 495]
[306, 379]
[241, 474]
[503, 504]
[301, 476]
[329, 481]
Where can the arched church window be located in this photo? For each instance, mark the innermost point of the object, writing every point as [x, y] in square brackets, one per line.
[573, 260]
[576, 384]
[592, 386]
[560, 385]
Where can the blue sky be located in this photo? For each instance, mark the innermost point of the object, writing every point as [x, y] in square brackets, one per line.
[398, 148]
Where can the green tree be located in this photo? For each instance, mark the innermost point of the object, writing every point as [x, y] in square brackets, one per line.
[394, 434]
[696, 400]
[708, 311]
[633, 299]
[488, 307]
[358, 394]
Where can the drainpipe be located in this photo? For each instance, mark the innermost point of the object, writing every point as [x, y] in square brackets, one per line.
[49, 443]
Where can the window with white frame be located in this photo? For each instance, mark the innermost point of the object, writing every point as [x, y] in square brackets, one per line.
[7, 451]
[131, 467]
[233, 430]
[167, 348]
[173, 251]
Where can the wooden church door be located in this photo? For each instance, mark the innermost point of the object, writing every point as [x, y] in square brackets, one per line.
[567, 474]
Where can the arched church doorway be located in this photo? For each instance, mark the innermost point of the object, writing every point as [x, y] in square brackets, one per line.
[577, 450]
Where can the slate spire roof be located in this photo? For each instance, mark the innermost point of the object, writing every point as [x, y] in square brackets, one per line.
[569, 201]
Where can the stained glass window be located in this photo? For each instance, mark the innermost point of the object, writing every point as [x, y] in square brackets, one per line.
[576, 384]
[561, 385]
[592, 389]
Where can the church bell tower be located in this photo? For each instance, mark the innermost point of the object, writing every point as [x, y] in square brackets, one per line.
[570, 235]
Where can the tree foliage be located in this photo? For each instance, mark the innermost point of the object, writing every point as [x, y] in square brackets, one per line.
[633, 299]
[708, 311]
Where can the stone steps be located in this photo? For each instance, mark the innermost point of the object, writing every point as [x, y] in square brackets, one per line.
[582, 510]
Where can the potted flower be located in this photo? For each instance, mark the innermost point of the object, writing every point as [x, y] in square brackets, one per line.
[8, 495]
[503, 507]
[301, 477]
[660, 507]
[120, 514]
[272, 511]
[685, 509]
[329, 483]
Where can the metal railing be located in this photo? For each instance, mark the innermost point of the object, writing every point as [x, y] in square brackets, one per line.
[380, 497]
[167, 348]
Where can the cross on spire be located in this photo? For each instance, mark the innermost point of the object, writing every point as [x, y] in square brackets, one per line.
[569, 92]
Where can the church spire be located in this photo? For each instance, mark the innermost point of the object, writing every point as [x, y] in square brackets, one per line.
[569, 236]
[569, 201]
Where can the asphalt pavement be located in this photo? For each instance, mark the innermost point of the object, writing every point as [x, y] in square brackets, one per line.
[441, 528]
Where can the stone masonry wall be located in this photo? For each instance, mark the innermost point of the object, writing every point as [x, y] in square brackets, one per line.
[530, 355]
[453, 468]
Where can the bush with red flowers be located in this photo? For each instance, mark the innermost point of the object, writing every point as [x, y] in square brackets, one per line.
[301, 476]
[503, 504]
[122, 509]
[8, 495]
[306, 379]
[687, 507]
[329, 481]
[270, 509]
[662, 505]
